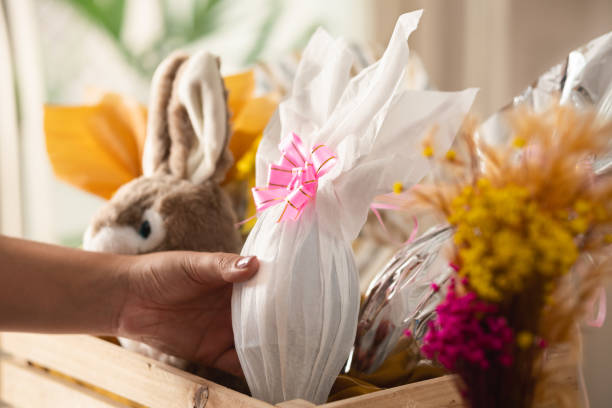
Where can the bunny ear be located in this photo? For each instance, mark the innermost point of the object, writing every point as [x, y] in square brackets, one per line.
[198, 121]
[157, 144]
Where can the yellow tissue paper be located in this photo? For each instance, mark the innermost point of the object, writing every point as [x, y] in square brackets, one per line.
[97, 148]
[403, 366]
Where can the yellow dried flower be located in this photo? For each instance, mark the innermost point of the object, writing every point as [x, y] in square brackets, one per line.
[398, 187]
[428, 150]
[524, 339]
[519, 142]
[451, 155]
[583, 207]
[506, 241]
[245, 165]
[600, 213]
[579, 225]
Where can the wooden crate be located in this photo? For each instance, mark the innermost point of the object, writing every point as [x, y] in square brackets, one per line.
[109, 376]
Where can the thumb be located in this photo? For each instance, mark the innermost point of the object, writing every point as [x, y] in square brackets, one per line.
[219, 266]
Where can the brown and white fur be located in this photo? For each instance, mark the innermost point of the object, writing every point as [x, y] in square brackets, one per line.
[177, 204]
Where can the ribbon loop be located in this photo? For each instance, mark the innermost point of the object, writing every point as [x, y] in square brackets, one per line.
[322, 159]
[295, 178]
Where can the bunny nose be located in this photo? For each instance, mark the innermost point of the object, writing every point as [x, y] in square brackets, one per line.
[116, 240]
[123, 239]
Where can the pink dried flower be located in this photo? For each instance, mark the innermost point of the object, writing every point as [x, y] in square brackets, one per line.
[468, 331]
[542, 343]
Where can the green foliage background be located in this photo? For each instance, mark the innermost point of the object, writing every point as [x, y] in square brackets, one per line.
[203, 19]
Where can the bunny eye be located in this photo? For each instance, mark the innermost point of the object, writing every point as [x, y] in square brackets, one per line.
[145, 229]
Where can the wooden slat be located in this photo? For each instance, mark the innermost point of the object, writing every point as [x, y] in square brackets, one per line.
[297, 403]
[24, 386]
[157, 385]
[135, 377]
[442, 392]
[439, 392]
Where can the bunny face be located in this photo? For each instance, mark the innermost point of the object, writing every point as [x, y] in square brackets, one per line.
[177, 204]
[164, 213]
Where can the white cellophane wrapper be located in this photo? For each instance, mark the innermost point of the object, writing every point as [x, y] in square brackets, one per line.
[295, 321]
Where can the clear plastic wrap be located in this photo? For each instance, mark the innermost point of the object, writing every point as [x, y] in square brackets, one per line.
[295, 321]
[584, 79]
[403, 296]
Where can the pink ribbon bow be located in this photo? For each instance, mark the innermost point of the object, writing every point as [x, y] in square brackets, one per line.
[295, 178]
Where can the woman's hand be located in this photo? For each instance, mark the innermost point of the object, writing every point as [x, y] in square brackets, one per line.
[177, 302]
[180, 302]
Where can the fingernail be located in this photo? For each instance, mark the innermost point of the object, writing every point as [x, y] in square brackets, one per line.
[244, 262]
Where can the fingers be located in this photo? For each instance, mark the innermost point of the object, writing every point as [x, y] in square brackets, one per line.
[243, 268]
[228, 362]
[222, 267]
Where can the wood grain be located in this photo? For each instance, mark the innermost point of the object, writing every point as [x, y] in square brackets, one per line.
[297, 403]
[156, 385]
[24, 386]
[436, 393]
[137, 378]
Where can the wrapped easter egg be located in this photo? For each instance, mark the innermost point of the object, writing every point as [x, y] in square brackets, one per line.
[401, 298]
[334, 144]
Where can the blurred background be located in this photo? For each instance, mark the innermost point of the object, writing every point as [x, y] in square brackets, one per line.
[58, 51]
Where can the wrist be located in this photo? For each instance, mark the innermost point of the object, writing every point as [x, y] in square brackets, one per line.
[115, 293]
[131, 272]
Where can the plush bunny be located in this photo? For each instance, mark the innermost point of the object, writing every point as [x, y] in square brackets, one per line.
[177, 204]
